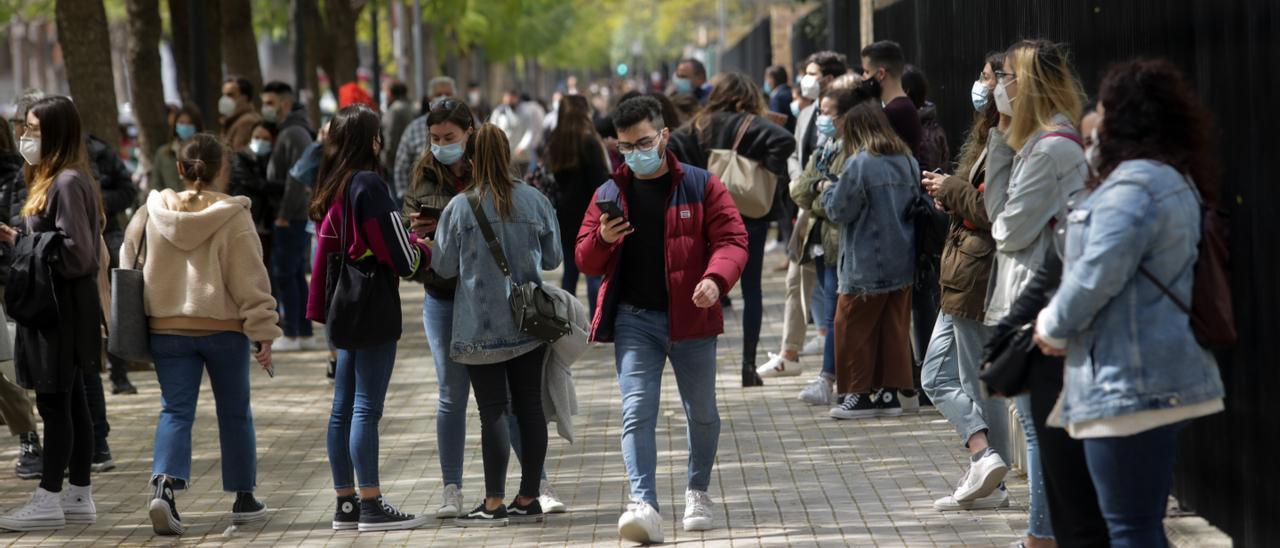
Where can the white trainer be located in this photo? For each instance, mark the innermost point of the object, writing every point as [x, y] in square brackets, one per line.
[698, 510]
[813, 347]
[551, 504]
[42, 512]
[287, 344]
[983, 477]
[817, 392]
[77, 505]
[641, 524]
[778, 366]
[452, 506]
[312, 344]
[997, 499]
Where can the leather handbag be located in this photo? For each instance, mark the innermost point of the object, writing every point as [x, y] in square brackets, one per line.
[129, 333]
[1008, 362]
[751, 185]
[535, 311]
[363, 297]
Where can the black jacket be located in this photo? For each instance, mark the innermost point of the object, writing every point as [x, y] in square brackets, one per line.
[765, 142]
[577, 190]
[67, 338]
[13, 192]
[118, 191]
[249, 178]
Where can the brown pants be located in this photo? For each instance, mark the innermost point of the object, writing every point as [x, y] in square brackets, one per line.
[873, 342]
[15, 407]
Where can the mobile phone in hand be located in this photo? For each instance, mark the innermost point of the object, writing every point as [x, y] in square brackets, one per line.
[610, 208]
[427, 212]
[271, 369]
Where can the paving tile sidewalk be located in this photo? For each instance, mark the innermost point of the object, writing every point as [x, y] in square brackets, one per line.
[786, 474]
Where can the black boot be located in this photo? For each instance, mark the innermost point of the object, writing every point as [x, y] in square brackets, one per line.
[750, 377]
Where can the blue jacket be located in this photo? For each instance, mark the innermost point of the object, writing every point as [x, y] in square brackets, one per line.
[483, 328]
[1130, 348]
[872, 203]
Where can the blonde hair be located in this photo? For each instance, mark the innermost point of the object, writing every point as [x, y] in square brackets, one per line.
[866, 128]
[490, 155]
[1047, 87]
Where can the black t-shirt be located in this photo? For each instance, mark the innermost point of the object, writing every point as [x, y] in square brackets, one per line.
[905, 120]
[643, 274]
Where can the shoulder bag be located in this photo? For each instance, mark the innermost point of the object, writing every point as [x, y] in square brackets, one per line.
[1008, 361]
[751, 185]
[364, 297]
[534, 310]
[129, 333]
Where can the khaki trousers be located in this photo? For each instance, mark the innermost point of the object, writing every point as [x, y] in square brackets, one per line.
[873, 342]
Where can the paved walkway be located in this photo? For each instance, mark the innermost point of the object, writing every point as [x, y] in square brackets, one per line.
[786, 474]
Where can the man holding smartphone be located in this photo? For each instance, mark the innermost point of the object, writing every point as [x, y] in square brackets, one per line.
[674, 243]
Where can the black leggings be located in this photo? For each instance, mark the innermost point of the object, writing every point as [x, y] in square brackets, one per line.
[1073, 503]
[752, 296]
[521, 377]
[68, 436]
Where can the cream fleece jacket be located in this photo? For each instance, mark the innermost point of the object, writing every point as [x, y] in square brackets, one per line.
[202, 265]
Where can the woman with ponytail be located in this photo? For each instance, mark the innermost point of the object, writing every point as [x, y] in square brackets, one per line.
[208, 299]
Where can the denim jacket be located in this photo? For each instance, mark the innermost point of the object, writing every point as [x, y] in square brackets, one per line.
[872, 203]
[1130, 348]
[483, 328]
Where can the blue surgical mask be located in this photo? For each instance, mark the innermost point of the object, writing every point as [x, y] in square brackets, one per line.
[980, 95]
[185, 131]
[683, 85]
[644, 162]
[261, 147]
[447, 154]
[826, 126]
[768, 89]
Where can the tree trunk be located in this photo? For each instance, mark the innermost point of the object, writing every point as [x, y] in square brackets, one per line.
[86, 50]
[213, 68]
[316, 46]
[180, 45]
[144, 76]
[341, 20]
[239, 47]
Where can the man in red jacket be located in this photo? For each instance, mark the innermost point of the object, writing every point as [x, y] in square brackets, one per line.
[678, 245]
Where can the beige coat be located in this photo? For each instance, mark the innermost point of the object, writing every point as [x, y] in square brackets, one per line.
[202, 265]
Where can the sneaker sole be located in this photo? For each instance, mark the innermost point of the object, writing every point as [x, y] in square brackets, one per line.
[102, 467]
[81, 518]
[393, 525]
[446, 514]
[559, 509]
[697, 524]
[972, 506]
[868, 414]
[989, 485]
[40, 525]
[481, 522]
[895, 412]
[29, 475]
[635, 532]
[346, 525]
[516, 520]
[162, 521]
[244, 518]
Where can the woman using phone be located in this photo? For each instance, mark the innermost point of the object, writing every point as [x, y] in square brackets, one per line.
[208, 296]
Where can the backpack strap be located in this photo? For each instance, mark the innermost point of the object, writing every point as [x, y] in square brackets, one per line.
[495, 247]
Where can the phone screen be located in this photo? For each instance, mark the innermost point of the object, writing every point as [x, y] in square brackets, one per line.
[429, 212]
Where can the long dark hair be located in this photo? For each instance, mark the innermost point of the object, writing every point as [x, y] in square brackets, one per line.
[983, 120]
[732, 92]
[61, 148]
[447, 110]
[574, 134]
[490, 155]
[1151, 112]
[347, 149]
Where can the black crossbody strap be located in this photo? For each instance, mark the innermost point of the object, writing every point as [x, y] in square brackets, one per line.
[495, 247]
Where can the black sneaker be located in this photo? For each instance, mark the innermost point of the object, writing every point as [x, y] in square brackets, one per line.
[887, 403]
[377, 515]
[483, 517]
[347, 516]
[164, 510]
[102, 462]
[123, 386]
[529, 513]
[855, 406]
[30, 460]
[247, 509]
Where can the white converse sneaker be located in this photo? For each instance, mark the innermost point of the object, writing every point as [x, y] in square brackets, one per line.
[778, 366]
[698, 510]
[551, 504]
[997, 499]
[42, 512]
[813, 347]
[641, 524]
[983, 477]
[77, 505]
[817, 392]
[452, 505]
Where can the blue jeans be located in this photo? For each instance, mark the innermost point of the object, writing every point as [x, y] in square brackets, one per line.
[950, 378]
[180, 363]
[826, 316]
[289, 278]
[455, 390]
[1038, 524]
[1133, 475]
[822, 304]
[359, 388]
[642, 345]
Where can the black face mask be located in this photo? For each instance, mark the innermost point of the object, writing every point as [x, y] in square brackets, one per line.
[871, 87]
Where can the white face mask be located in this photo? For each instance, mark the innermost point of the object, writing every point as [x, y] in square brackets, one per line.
[810, 87]
[1003, 103]
[226, 106]
[29, 148]
[270, 114]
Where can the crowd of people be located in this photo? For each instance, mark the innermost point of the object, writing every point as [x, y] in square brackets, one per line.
[1078, 223]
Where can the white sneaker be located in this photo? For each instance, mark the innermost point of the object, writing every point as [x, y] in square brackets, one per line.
[42, 512]
[286, 344]
[910, 404]
[813, 347]
[551, 504]
[698, 510]
[997, 499]
[452, 506]
[77, 505]
[312, 344]
[817, 392]
[778, 366]
[983, 477]
[772, 246]
[641, 524]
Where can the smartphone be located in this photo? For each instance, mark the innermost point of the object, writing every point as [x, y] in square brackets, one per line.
[610, 208]
[271, 369]
[427, 212]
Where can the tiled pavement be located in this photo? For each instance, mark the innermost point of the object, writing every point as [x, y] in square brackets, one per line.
[786, 474]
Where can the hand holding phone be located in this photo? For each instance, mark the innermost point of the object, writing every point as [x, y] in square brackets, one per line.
[613, 224]
[262, 353]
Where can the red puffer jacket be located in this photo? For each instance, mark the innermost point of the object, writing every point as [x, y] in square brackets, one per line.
[705, 240]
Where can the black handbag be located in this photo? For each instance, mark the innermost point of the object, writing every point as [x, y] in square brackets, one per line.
[363, 297]
[1007, 364]
[534, 310]
[31, 299]
[129, 336]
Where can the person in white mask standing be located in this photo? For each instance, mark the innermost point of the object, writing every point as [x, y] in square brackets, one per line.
[236, 113]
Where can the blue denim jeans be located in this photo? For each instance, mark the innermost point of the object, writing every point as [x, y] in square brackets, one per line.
[455, 389]
[1133, 476]
[642, 345]
[950, 378]
[180, 363]
[826, 316]
[1038, 524]
[288, 277]
[359, 388]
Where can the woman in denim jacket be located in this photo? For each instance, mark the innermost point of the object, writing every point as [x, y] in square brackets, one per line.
[872, 203]
[504, 364]
[1135, 373]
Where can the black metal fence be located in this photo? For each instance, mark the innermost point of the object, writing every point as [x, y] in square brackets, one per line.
[751, 54]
